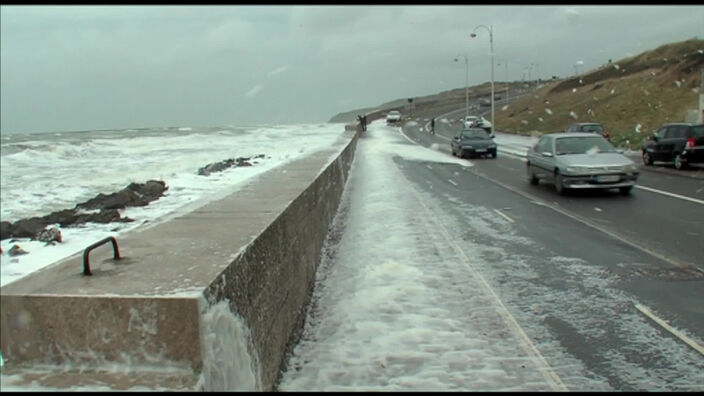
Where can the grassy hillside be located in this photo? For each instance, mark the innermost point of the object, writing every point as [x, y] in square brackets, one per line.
[640, 92]
[637, 93]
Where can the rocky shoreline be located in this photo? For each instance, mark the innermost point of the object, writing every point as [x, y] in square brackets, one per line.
[102, 208]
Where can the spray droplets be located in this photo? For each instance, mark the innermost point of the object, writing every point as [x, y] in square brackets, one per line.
[637, 129]
[573, 115]
[678, 83]
[574, 90]
[613, 91]
[524, 122]
[548, 111]
[617, 67]
[504, 108]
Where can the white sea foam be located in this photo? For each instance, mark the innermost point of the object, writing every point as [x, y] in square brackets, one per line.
[45, 173]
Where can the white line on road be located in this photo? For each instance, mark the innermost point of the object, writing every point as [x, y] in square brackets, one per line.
[699, 201]
[504, 216]
[455, 184]
[556, 207]
[669, 328]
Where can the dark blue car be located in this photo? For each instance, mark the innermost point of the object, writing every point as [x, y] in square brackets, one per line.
[473, 142]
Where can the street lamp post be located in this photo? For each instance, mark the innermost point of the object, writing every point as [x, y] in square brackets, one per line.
[491, 48]
[466, 84]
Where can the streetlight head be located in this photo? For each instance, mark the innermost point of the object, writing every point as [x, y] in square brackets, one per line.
[472, 35]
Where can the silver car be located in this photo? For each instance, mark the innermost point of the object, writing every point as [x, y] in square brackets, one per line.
[580, 161]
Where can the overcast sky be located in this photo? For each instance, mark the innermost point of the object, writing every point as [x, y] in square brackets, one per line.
[99, 67]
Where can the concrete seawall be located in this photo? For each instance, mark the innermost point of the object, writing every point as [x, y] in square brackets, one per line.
[146, 321]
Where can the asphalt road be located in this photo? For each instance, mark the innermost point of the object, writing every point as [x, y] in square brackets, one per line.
[592, 261]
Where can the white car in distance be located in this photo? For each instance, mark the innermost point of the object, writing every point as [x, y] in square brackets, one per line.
[393, 116]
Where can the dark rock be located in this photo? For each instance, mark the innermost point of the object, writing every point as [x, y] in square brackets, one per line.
[216, 167]
[5, 229]
[28, 228]
[228, 163]
[16, 250]
[135, 194]
[49, 236]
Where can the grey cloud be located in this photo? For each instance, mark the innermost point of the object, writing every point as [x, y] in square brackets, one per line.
[83, 67]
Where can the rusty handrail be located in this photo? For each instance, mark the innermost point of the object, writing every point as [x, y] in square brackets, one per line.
[86, 262]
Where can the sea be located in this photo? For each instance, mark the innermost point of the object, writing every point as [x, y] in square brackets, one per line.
[45, 172]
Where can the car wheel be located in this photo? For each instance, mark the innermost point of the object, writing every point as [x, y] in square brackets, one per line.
[647, 159]
[559, 186]
[625, 190]
[679, 162]
[531, 176]
[493, 154]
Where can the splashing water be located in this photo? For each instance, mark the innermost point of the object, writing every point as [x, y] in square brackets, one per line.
[613, 91]
[617, 67]
[573, 115]
[678, 83]
[548, 111]
[637, 130]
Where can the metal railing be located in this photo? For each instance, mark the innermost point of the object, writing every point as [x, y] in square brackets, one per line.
[86, 261]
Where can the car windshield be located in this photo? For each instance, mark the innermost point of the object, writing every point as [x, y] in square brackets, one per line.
[593, 128]
[474, 134]
[582, 145]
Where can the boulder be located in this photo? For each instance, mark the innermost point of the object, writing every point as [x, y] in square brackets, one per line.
[16, 250]
[49, 236]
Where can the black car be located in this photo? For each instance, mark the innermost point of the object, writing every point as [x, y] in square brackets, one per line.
[472, 141]
[592, 127]
[682, 143]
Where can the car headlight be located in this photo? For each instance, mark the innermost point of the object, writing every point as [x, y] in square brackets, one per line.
[630, 168]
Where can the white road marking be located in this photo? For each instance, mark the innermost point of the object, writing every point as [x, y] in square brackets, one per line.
[669, 328]
[510, 220]
[699, 201]
[556, 207]
[455, 184]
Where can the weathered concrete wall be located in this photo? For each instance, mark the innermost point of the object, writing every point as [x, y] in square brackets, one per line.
[258, 249]
[269, 284]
